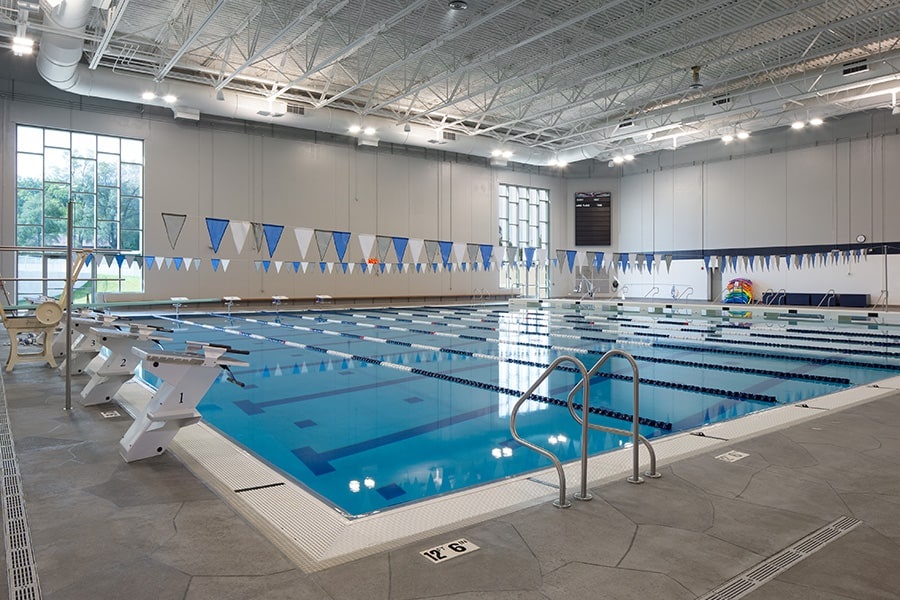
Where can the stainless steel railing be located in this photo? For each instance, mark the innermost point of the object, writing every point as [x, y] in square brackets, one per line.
[583, 385]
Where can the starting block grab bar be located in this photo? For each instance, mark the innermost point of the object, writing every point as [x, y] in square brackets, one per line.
[186, 377]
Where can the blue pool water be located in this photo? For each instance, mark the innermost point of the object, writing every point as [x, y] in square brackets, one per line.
[373, 408]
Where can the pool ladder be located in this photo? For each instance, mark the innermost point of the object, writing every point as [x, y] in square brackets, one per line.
[584, 386]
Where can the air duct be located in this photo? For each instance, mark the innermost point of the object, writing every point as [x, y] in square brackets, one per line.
[62, 43]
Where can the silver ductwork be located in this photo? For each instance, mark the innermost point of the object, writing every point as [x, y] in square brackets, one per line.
[62, 43]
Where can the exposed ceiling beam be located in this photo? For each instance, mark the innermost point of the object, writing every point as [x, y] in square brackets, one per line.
[189, 41]
[115, 15]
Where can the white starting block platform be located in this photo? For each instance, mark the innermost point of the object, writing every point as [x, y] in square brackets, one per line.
[119, 366]
[186, 377]
[85, 342]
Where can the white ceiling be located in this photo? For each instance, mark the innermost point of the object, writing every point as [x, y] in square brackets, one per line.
[567, 78]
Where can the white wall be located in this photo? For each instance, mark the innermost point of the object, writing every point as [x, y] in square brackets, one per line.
[207, 172]
[776, 192]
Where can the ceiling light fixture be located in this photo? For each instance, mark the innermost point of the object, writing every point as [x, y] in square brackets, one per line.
[618, 160]
[22, 45]
[742, 135]
[798, 125]
[629, 157]
[727, 138]
[457, 5]
[148, 96]
[816, 121]
[354, 129]
[369, 131]
[170, 99]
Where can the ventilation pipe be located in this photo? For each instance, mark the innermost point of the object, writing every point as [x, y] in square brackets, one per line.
[62, 43]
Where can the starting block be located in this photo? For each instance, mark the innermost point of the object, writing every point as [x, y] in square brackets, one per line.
[186, 377]
[85, 345]
[119, 366]
[39, 328]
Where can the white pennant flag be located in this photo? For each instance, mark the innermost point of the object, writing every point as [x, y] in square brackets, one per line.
[168, 262]
[459, 252]
[415, 248]
[350, 267]
[304, 237]
[366, 243]
[239, 231]
[278, 264]
[196, 263]
[225, 262]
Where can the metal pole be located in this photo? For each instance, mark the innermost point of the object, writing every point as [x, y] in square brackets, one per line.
[886, 303]
[68, 303]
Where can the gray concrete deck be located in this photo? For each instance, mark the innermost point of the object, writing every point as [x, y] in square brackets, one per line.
[104, 529]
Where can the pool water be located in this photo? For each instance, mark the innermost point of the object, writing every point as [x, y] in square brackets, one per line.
[370, 409]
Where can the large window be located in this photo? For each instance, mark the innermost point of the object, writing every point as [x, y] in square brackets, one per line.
[525, 223]
[103, 177]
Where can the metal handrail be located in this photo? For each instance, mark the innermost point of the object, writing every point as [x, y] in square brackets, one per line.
[685, 293]
[562, 502]
[654, 291]
[775, 296]
[829, 294]
[634, 433]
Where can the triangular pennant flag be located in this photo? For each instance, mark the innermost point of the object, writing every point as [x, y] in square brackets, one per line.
[623, 262]
[196, 264]
[529, 257]
[418, 267]
[304, 237]
[350, 267]
[767, 259]
[215, 264]
[341, 240]
[560, 257]
[323, 241]
[598, 260]
[330, 268]
[216, 229]
[278, 264]
[706, 261]
[174, 223]
[570, 258]
[734, 262]
[798, 258]
[108, 259]
[139, 261]
[273, 236]
[415, 249]
[640, 262]
[119, 259]
[168, 262]
[225, 263]
[322, 266]
[304, 266]
[364, 267]
[366, 243]
[129, 260]
[258, 234]
[512, 254]
[344, 267]
[400, 244]
[384, 244]
[296, 265]
[486, 251]
[88, 259]
[431, 248]
[148, 260]
[649, 258]
[446, 248]
[239, 231]
[459, 252]
[751, 258]
[257, 264]
[472, 251]
[668, 259]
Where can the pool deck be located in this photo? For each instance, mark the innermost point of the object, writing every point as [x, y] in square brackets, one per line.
[104, 529]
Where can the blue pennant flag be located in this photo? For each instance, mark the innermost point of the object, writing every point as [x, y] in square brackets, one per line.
[273, 235]
[120, 258]
[266, 264]
[400, 247]
[296, 265]
[364, 267]
[486, 250]
[768, 259]
[418, 267]
[90, 258]
[215, 264]
[341, 239]
[382, 266]
[734, 262]
[216, 229]
[178, 261]
[529, 257]
[570, 258]
[445, 247]
[344, 267]
[706, 262]
[322, 266]
[751, 261]
[598, 260]
[434, 267]
[623, 261]
[649, 258]
[148, 260]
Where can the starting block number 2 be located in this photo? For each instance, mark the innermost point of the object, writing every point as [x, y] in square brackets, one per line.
[445, 552]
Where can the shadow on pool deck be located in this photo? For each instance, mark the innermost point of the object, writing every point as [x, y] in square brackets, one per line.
[104, 529]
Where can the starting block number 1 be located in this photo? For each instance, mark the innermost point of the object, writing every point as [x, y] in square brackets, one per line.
[445, 552]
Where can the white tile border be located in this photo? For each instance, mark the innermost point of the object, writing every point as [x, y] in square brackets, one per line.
[316, 536]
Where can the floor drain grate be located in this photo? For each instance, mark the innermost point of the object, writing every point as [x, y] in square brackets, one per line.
[773, 566]
[21, 568]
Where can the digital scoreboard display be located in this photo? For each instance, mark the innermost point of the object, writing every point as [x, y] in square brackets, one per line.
[593, 218]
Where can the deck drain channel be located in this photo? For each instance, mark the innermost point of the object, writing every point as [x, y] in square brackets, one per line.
[21, 570]
[751, 579]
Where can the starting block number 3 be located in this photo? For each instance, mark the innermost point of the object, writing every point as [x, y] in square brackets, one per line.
[445, 552]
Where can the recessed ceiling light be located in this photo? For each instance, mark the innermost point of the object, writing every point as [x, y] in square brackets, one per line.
[496, 152]
[743, 135]
[457, 5]
[369, 131]
[816, 121]
[355, 129]
[618, 160]
[798, 125]
[148, 96]
[170, 99]
[507, 154]
[727, 138]
[629, 157]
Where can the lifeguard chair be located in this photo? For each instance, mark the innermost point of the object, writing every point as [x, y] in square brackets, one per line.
[36, 327]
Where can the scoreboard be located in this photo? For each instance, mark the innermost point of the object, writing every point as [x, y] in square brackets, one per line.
[593, 218]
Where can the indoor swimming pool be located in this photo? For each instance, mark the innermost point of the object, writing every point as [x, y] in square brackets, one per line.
[374, 408]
